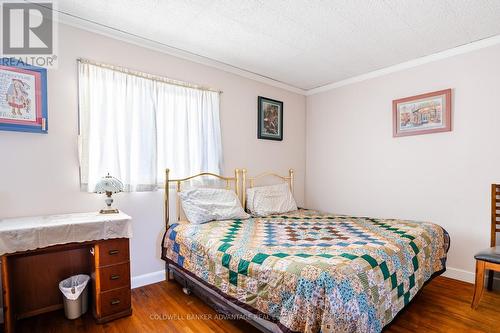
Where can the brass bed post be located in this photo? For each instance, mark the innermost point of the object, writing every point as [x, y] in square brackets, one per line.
[177, 201]
[167, 171]
[244, 189]
[237, 182]
[290, 174]
[167, 215]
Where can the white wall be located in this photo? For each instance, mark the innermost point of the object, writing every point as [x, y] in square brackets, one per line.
[355, 166]
[39, 173]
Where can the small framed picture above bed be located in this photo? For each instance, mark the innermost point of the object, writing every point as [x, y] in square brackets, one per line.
[270, 119]
[422, 114]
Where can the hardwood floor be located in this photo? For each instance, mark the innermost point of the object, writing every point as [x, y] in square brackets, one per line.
[442, 306]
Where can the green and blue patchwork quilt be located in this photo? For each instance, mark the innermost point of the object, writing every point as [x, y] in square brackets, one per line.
[310, 272]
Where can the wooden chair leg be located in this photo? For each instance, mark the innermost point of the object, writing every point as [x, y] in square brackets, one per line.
[491, 274]
[479, 287]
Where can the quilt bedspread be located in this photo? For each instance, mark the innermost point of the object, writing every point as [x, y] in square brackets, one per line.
[309, 271]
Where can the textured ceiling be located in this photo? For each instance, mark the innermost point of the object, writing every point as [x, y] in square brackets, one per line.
[303, 43]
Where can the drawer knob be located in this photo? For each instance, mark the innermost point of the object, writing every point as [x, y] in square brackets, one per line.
[115, 277]
[115, 302]
[113, 252]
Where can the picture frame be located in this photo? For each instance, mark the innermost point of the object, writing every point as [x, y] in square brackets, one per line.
[422, 114]
[23, 97]
[270, 119]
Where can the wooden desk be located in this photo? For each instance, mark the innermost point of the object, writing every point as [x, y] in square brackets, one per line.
[30, 279]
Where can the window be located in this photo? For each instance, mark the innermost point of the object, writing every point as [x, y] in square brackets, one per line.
[134, 126]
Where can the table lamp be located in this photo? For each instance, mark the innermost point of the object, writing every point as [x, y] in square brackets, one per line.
[108, 185]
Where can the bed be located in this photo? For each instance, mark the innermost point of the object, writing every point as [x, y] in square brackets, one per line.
[305, 271]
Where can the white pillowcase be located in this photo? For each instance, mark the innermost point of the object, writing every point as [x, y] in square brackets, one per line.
[267, 200]
[208, 204]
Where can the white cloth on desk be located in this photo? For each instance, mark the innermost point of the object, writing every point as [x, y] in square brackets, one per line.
[30, 233]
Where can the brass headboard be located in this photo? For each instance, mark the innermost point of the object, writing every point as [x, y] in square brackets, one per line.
[251, 182]
[178, 186]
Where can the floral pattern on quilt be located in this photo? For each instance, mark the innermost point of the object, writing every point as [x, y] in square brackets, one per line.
[311, 271]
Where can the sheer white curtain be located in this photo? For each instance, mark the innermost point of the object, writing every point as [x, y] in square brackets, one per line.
[135, 127]
[189, 119]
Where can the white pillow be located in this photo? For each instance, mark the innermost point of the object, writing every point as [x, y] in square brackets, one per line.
[267, 200]
[208, 204]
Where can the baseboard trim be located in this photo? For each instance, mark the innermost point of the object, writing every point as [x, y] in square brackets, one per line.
[459, 274]
[466, 276]
[148, 278]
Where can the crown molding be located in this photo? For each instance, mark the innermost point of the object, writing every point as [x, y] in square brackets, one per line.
[124, 36]
[473, 46]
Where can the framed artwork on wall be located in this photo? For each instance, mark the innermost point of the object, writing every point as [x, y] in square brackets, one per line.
[422, 114]
[23, 97]
[270, 119]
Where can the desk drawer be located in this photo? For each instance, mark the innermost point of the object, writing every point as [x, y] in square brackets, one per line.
[116, 276]
[112, 251]
[115, 301]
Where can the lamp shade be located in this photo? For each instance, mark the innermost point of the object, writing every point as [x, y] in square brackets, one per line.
[108, 184]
